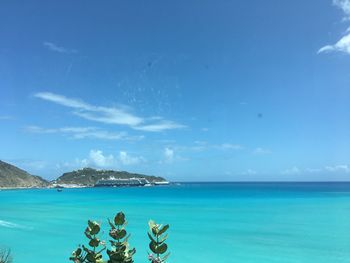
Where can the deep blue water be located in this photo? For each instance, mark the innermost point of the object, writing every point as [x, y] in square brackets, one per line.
[209, 222]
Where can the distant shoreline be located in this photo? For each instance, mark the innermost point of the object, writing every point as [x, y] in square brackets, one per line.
[261, 183]
[79, 186]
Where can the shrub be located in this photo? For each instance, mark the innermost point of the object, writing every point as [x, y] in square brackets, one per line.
[93, 254]
[157, 245]
[120, 251]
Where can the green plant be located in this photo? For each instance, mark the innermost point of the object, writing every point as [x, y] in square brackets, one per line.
[83, 254]
[120, 252]
[5, 256]
[157, 245]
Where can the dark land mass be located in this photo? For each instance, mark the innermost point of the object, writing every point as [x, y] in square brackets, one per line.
[14, 177]
[89, 176]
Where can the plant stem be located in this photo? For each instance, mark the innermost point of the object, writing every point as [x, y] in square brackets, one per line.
[157, 245]
[94, 247]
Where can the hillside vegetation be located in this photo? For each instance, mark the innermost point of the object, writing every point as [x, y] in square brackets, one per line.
[14, 177]
[89, 176]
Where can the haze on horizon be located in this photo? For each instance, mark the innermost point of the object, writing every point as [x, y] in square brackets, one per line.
[228, 90]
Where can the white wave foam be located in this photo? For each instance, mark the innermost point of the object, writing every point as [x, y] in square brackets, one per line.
[11, 225]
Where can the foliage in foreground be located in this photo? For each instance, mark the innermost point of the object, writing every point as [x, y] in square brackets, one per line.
[5, 256]
[157, 245]
[119, 250]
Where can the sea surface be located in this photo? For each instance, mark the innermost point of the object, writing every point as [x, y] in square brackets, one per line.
[209, 222]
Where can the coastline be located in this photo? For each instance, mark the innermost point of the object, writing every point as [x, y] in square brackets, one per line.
[78, 186]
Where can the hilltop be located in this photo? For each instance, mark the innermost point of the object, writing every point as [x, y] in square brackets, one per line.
[14, 177]
[90, 176]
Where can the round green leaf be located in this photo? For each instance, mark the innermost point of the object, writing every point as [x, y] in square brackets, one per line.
[95, 229]
[161, 249]
[119, 219]
[121, 233]
[94, 242]
[153, 247]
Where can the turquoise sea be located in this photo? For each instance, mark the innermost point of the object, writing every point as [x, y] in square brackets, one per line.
[209, 222]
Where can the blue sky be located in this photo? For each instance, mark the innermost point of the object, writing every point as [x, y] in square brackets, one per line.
[206, 90]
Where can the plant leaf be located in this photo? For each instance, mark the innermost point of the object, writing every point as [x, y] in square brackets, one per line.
[161, 249]
[163, 229]
[119, 219]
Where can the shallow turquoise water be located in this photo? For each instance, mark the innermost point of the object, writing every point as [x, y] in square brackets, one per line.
[209, 222]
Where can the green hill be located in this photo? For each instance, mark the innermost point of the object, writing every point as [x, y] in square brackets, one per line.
[13, 177]
[89, 176]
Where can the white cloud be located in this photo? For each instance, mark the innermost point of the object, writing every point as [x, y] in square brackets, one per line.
[77, 129]
[291, 171]
[313, 170]
[84, 133]
[110, 115]
[53, 47]
[91, 112]
[199, 146]
[37, 129]
[250, 172]
[103, 135]
[59, 99]
[160, 126]
[261, 151]
[343, 45]
[126, 159]
[338, 168]
[169, 154]
[344, 5]
[96, 157]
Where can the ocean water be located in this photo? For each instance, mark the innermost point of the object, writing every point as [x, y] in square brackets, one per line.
[216, 222]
